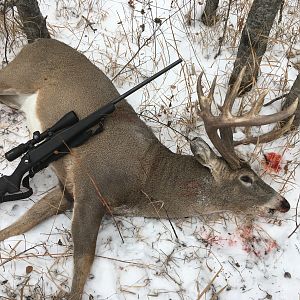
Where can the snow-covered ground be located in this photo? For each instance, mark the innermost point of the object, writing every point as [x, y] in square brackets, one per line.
[224, 259]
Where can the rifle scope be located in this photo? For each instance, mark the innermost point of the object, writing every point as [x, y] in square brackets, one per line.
[67, 120]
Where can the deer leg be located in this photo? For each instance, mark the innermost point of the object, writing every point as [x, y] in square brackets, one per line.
[52, 204]
[86, 221]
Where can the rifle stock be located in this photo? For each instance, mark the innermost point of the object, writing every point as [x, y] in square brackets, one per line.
[11, 183]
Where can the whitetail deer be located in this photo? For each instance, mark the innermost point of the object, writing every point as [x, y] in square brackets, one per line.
[133, 171]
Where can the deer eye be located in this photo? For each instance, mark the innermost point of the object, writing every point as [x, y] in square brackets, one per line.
[246, 179]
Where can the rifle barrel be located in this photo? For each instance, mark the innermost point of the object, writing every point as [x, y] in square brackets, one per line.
[140, 85]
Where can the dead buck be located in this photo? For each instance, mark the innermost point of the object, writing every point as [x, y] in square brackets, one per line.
[126, 164]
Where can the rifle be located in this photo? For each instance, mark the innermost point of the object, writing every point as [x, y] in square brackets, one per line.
[55, 142]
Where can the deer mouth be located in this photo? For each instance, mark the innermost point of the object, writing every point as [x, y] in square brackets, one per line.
[283, 207]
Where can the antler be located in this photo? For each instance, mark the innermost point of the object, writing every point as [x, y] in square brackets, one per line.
[226, 121]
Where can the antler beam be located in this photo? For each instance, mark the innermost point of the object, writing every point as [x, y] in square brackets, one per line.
[226, 120]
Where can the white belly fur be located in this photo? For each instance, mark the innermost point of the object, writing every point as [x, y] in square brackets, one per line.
[28, 106]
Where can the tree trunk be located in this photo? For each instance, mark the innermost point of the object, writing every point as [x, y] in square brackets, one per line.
[293, 94]
[253, 43]
[209, 16]
[34, 24]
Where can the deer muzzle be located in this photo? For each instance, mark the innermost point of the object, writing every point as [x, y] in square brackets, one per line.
[278, 203]
[284, 206]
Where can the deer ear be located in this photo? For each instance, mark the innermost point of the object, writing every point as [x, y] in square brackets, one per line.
[205, 155]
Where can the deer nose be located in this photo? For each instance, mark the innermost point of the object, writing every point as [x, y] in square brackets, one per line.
[284, 206]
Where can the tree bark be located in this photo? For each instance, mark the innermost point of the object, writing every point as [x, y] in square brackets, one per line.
[293, 94]
[34, 24]
[253, 43]
[209, 16]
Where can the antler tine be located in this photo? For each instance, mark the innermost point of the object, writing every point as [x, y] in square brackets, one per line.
[201, 98]
[267, 137]
[232, 93]
[199, 86]
[223, 144]
[258, 104]
[226, 134]
[227, 152]
[204, 102]
[212, 88]
[257, 120]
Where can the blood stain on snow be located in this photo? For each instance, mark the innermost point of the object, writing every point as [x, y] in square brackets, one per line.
[272, 162]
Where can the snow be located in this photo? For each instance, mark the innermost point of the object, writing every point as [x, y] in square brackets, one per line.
[258, 262]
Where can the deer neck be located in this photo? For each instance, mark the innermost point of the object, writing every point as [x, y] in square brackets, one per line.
[177, 187]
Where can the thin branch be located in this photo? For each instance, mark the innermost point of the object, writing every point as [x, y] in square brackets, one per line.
[280, 11]
[6, 31]
[296, 217]
[171, 223]
[275, 99]
[163, 124]
[146, 42]
[222, 38]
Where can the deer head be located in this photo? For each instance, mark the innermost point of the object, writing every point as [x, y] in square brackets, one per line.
[230, 171]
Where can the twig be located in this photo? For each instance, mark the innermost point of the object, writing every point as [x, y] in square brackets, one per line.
[146, 42]
[209, 284]
[64, 255]
[171, 223]
[89, 23]
[23, 286]
[280, 11]
[105, 204]
[297, 225]
[6, 32]
[215, 296]
[15, 256]
[275, 99]
[222, 38]
[163, 124]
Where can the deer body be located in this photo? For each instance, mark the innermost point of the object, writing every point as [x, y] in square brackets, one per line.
[125, 166]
